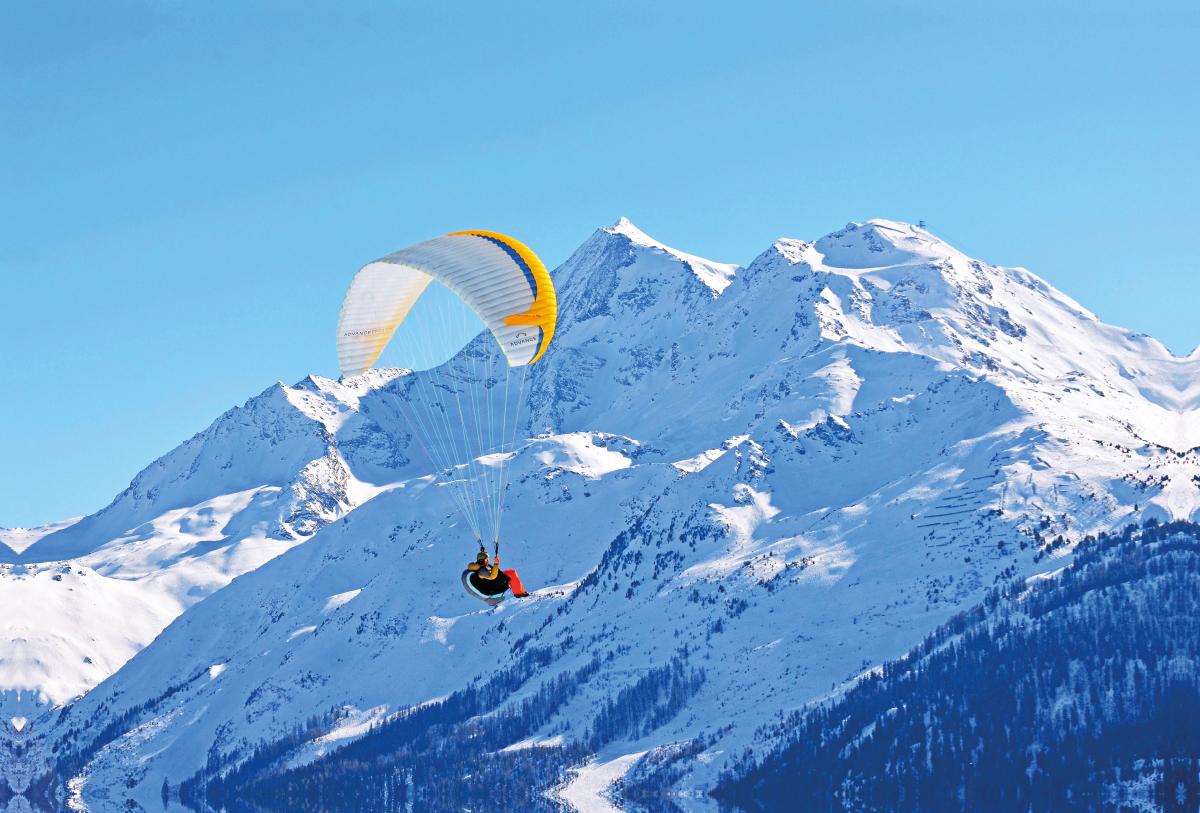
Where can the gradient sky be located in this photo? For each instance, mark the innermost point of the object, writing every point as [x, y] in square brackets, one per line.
[185, 192]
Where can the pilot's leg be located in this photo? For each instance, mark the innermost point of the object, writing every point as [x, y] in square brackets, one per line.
[514, 582]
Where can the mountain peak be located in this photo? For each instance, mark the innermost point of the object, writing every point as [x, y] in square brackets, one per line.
[879, 243]
[625, 226]
[716, 276]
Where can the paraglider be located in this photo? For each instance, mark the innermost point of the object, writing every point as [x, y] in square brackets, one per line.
[487, 582]
[462, 413]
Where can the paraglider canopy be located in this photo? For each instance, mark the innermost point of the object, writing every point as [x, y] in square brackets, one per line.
[461, 415]
[498, 277]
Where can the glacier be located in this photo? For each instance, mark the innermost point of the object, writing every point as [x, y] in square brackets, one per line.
[792, 471]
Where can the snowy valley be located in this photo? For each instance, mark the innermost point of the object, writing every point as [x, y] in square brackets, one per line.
[759, 484]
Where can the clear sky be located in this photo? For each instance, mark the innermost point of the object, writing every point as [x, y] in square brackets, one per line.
[186, 189]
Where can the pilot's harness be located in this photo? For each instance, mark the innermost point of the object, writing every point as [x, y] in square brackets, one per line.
[466, 577]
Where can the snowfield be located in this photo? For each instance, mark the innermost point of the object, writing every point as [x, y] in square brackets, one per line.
[790, 471]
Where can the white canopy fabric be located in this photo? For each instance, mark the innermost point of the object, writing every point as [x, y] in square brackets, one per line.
[498, 277]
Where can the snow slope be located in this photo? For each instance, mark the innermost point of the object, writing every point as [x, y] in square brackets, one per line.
[263, 478]
[793, 470]
[14, 541]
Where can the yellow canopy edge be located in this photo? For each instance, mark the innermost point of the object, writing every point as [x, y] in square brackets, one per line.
[544, 312]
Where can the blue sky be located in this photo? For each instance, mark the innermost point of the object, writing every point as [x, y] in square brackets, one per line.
[186, 192]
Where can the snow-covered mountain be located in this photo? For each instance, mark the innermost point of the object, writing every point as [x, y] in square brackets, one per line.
[791, 471]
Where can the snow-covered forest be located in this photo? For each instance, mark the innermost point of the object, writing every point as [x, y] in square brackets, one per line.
[1064, 692]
